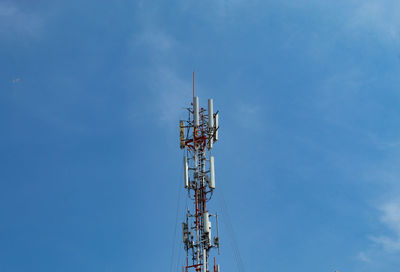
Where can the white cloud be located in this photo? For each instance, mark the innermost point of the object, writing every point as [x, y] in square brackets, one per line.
[15, 22]
[223, 12]
[378, 17]
[250, 116]
[156, 40]
[173, 93]
[362, 256]
[391, 218]
[350, 19]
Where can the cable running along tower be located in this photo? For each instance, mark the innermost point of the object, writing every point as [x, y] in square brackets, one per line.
[197, 135]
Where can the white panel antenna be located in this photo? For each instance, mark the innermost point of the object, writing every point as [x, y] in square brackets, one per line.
[211, 184]
[186, 171]
[206, 222]
[196, 111]
[210, 114]
[216, 127]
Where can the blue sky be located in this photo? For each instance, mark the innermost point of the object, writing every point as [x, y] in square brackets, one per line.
[91, 93]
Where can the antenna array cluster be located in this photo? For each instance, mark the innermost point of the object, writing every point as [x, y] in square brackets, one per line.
[198, 133]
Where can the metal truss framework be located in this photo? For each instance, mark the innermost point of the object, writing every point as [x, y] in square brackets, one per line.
[197, 135]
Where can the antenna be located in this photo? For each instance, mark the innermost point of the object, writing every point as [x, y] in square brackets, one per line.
[197, 135]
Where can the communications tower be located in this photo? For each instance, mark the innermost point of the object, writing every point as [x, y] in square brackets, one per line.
[198, 133]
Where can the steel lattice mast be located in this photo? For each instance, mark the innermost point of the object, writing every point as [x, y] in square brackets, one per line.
[197, 135]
